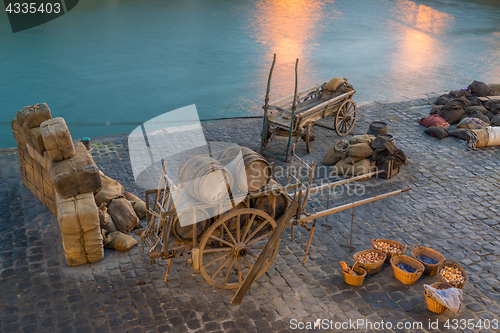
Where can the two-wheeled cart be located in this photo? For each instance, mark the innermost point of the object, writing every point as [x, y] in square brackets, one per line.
[237, 245]
[295, 115]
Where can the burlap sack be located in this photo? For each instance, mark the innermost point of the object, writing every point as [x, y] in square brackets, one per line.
[18, 133]
[435, 109]
[472, 123]
[123, 214]
[334, 154]
[474, 101]
[140, 206]
[495, 121]
[479, 89]
[105, 220]
[365, 138]
[443, 99]
[359, 168]
[452, 113]
[473, 108]
[477, 138]
[437, 132]
[460, 133]
[75, 175]
[108, 193]
[362, 150]
[36, 114]
[326, 95]
[334, 83]
[81, 235]
[340, 168]
[352, 160]
[119, 241]
[105, 180]
[57, 139]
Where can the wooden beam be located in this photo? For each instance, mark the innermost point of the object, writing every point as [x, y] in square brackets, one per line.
[261, 260]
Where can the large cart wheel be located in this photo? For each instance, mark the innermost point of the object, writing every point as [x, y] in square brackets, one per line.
[226, 256]
[308, 138]
[345, 117]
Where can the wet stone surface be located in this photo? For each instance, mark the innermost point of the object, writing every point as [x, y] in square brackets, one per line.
[451, 208]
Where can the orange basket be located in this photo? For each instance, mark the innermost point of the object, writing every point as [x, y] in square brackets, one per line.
[401, 247]
[403, 276]
[354, 279]
[432, 305]
[370, 268]
[430, 269]
[451, 263]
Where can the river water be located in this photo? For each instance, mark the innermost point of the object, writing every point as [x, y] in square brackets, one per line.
[109, 64]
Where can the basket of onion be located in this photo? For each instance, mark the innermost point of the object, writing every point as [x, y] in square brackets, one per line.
[391, 248]
[451, 273]
[370, 260]
[407, 269]
[428, 257]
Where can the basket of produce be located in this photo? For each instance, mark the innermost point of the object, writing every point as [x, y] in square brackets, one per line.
[428, 257]
[432, 304]
[451, 273]
[370, 260]
[391, 248]
[407, 269]
[353, 275]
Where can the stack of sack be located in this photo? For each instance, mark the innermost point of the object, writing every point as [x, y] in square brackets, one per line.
[474, 107]
[33, 159]
[362, 155]
[335, 87]
[66, 179]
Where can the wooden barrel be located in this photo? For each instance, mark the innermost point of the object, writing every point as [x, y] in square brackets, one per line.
[265, 203]
[205, 179]
[187, 206]
[251, 175]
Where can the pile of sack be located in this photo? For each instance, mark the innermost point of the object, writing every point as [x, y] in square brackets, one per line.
[364, 154]
[473, 108]
[66, 179]
[335, 87]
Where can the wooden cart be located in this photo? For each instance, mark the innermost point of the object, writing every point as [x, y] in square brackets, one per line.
[295, 115]
[237, 246]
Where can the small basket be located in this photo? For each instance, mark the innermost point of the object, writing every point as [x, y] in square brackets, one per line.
[451, 263]
[418, 250]
[403, 276]
[432, 305]
[389, 255]
[370, 268]
[354, 280]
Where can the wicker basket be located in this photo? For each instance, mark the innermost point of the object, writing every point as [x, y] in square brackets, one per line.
[451, 263]
[418, 250]
[432, 305]
[403, 276]
[370, 268]
[354, 279]
[390, 255]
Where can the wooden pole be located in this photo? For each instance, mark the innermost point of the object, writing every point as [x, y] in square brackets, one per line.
[266, 102]
[350, 205]
[309, 241]
[261, 260]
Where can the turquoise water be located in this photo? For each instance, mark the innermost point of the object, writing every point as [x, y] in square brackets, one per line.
[107, 65]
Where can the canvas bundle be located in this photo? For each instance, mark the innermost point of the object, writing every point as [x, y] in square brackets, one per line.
[57, 139]
[81, 235]
[34, 138]
[18, 132]
[75, 175]
[36, 114]
[119, 241]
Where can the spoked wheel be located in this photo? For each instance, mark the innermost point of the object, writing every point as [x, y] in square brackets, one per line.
[345, 117]
[309, 138]
[226, 256]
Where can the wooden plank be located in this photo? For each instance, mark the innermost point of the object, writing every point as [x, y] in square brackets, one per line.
[261, 260]
[483, 99]
[493, 97]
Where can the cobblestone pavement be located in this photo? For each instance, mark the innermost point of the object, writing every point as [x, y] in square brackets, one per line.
[452, 208]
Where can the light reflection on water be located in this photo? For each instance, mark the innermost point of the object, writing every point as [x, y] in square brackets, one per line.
[132, 60]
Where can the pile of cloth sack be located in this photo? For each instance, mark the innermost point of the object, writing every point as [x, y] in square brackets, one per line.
[92, 209]
[363, 154]
[475, 110]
